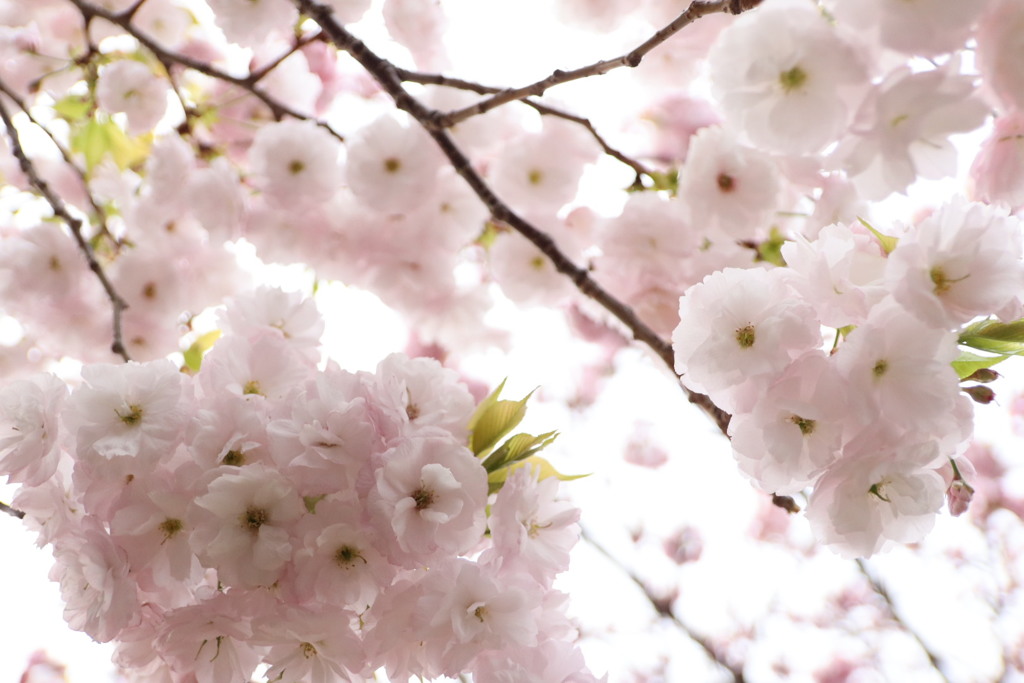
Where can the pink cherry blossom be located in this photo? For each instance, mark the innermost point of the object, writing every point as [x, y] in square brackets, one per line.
[429, 496]
[392, 165]
[738, 325]
[295, 161]
[243, 524]
[997, 169]
[100, 596]
[876, 498]
[30, 428]
[132, 88]
[785, 77]
[727, 186]
[961, 262]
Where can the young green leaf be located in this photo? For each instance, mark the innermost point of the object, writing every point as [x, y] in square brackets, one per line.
[518, 447]
[969, 363]
[194, 354]
[496, 479]
[994, 336]
[888, 243]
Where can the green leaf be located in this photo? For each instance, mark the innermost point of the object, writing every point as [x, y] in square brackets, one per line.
[73, 108]
[194, 354]
[771, 249]
[311, 502]
[888, 243]
[488, 235]
[968, 363]
[518, 447]
[98, 137]
[666, 181]
[994, 336]
[496, 479]
[493, 419]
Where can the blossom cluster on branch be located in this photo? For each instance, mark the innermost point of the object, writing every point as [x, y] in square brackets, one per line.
[321, 522]
[727, 200]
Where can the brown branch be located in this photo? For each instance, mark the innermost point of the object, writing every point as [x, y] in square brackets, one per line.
[631, 59]
[248, 83]
[437, 79]
[258, 74]
[101, 215]
[664, 609]
[4, 507]
[879, 588]
[385, 74]
[74, 225]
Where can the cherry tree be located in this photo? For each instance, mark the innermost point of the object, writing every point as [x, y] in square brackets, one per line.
[800, 217]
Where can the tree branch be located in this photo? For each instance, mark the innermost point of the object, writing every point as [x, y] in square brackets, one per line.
[664, 609]
[4, 507]
[437, 79]
[879, 588]
[74, 225]
[248, 83]
[632, 58]
[101, 215]
[386, 75]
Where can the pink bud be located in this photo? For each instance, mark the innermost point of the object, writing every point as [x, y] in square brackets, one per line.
[958, 497]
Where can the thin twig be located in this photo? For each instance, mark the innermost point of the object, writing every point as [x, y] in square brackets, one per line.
[4, 507]
[258, 74]
[437, 79]
[664, 609]
[248, 83]
[879, 588]
[632, 58]
[74, 225]
[384, 73]
[101, 215]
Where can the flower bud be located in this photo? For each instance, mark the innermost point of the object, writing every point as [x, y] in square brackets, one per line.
[980, 394]
[983, 375]
[958, 497]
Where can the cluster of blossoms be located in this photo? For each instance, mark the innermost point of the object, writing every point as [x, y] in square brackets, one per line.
[322, 523]
[872, 416]
[193, 514]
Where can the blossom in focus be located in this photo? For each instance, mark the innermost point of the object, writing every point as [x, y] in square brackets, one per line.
[738, 325]
[961, 262]
[243, 524]
[785, 77]
[877, 496]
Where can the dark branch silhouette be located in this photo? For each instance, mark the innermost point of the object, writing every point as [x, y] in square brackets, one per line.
[74, 225]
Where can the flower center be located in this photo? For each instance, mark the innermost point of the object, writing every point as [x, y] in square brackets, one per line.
[346, 556]
[745, 336]
[253, 518]
[793, 79]
[806, 426]
[133, 416]
[424, 497]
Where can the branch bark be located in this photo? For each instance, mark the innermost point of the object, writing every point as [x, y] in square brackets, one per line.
[387, 76]
[632, 58]
[879, 588]
[248, 83]
[664, 609]
[74, 225]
